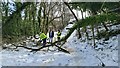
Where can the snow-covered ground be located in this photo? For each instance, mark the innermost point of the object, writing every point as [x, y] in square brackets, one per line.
[81, 54]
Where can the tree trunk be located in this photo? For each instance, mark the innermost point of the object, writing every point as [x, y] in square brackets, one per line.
[92, 26]
[79, 34]
[33, 17]
[93, 35]
[44, 19]
[87, 35]
[105, 26]
[26, 14]
[39, 18]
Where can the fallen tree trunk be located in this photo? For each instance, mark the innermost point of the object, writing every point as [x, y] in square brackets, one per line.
[103, 64]
[34, 49]
[61, 49]
[39, 48]
[79, 34]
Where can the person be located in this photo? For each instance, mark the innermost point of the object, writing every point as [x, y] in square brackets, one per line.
[43, 37]
[51, 35]
[58, 35]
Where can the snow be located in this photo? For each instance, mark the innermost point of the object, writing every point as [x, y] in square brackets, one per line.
[82, 53]
[115, 27]
[71, 20]
[0, 59]
[65, 31]
[27, 58]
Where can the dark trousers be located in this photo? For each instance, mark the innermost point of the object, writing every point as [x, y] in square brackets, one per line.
[44, 42]
[58, 38]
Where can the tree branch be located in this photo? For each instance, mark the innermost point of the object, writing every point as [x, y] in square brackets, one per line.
[54, 19]
[71, 10]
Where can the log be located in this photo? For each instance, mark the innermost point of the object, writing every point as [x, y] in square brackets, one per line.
[38, 49]
[61, 49]
[32, 49]
[103, 65]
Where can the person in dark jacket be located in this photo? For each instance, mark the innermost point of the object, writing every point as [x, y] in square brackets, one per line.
[51, 35]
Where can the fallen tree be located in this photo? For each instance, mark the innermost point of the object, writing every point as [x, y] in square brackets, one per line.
[37, 48]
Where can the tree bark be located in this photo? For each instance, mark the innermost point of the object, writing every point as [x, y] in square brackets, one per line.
[93, 35]
[105, 26]
[79, 34]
